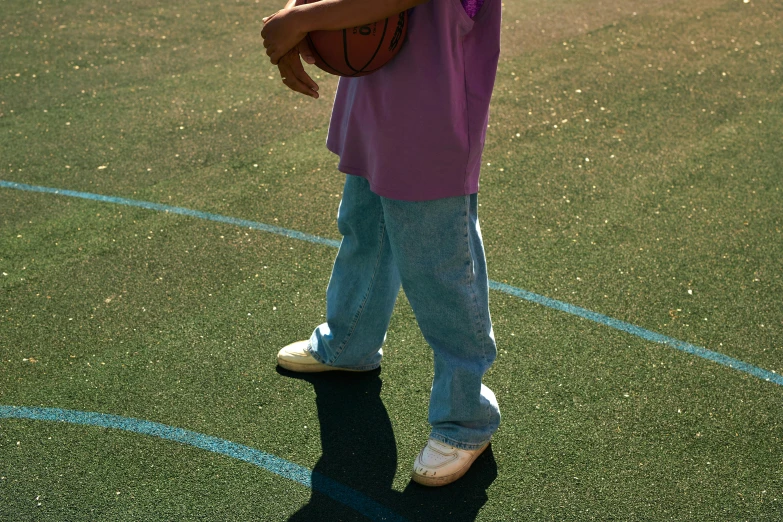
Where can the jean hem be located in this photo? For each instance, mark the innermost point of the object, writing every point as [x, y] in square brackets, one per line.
[364, 368]
[459, 445]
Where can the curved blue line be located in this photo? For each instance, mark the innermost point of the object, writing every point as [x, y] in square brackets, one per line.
[276, 465]
[632, 329]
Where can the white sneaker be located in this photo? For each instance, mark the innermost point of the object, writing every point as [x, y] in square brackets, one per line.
[297, 358]
[439, 464]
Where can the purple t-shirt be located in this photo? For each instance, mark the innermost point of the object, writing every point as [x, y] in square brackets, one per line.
[472, 6]
[415, 128]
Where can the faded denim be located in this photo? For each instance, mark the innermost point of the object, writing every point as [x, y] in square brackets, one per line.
[434, 250]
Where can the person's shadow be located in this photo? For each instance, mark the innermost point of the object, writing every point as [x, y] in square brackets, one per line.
[359, 460]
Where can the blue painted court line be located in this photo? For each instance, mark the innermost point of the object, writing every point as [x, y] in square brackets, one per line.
[276, 465]
[638, 331]
[175, 210]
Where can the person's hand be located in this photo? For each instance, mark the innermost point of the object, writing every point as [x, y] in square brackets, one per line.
[281, 33]
[292, 72]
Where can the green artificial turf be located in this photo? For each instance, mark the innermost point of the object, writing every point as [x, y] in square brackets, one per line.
[632, 167]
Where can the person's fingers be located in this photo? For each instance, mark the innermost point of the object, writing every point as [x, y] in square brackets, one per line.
[295, 85]
[273, 54]
[292, 79]
[300, 73]
[306, 52]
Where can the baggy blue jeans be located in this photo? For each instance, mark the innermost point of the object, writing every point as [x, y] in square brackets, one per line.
[434, 249]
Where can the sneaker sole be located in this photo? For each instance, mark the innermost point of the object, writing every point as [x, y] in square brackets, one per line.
[313, 368]
[448, 479]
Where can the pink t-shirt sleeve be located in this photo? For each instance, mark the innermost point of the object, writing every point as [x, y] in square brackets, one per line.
[472, 6]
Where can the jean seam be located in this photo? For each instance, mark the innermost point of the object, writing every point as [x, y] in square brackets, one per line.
[359, 312]
[473, 281]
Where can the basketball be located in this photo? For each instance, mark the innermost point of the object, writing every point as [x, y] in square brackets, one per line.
[359, 50]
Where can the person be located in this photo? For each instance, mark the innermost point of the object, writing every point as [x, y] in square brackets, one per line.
[409, 139]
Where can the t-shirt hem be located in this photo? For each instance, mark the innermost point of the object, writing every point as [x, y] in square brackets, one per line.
[405, 194]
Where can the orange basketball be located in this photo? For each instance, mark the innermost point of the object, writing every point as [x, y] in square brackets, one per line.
[359, 50]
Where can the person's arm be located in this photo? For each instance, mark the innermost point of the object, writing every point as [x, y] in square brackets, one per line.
[290, 66]
[329, 15]
[286, 28]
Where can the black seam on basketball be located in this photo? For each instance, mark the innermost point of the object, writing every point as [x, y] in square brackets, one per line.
[315, 50]
[372, 70]
[380, 43]
[345, 50]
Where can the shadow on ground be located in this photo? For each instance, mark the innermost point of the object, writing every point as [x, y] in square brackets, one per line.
[360, 452]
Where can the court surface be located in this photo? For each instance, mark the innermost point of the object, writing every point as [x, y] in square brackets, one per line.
[167, 223]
